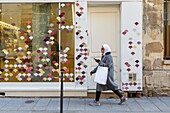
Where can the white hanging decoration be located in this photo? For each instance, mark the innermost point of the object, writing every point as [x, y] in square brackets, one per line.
[29, 31]
[52, 42]
[40, 74]
[6, 79]
[67, 48]
[24, 57]
[35, 74]
[50, 31]
[19, 74]
[31, 37]
[58, 18]
[19, 65]
[47, 42]
[26, 46]
[63, 5]
[40, 48]
[24, 74]
[6, 66]
[10, 74]
[6, 52]
[40, 65]
[6, 74]
[65, 59]
[29, 57]
[28, 26]
[28, 79]
[49, 79]
[71, 74]
[44, 78]
[28, 74]
[52, 38]
[6, 61]
[20, 48]
[22, 37]
[6, 70]
[67, 27]
[45, 53]
[45, 49]
[15, 66]
[10, 65]
[19, 79]
[67, 74]
[24, 66]
[71, 26]
[62, 27]
[47, 59]
[28, 52]
[65, 55]
[15, 70]
[65, 51]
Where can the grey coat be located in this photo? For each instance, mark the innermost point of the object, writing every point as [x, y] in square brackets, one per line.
[107, 61]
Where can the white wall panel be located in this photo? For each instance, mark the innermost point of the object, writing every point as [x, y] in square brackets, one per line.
[131, 46]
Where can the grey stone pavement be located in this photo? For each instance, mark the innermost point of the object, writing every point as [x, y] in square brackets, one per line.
[81, 105]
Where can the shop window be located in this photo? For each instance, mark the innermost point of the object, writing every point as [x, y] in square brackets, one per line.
[36, 41]
[167, 29]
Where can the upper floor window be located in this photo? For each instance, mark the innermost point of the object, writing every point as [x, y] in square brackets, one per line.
[166, 29]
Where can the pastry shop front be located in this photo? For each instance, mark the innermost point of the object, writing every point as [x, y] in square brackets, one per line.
[38, 39]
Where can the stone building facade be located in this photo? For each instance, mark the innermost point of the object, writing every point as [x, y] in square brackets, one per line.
[156, 73]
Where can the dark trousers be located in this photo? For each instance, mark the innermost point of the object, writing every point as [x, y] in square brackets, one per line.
[98, 93]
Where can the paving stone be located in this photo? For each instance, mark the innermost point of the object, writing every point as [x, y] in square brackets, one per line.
[76, 102]
[133, 105]
[160, 104]
[147, 105]
[3, 103]
[25, 108]
[80, 107]
[43, 102]
[38, 108]
[54, 105]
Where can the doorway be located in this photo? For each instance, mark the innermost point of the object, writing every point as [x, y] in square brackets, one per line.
[104, 28]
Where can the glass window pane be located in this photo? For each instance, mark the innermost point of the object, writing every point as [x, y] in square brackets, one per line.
[30, 42]
[167, 41]
[67, 40]
[168, 11]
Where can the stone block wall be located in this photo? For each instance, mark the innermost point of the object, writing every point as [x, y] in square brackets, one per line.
[156, 74]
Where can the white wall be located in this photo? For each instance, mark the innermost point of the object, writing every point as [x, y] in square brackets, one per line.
[131, 42]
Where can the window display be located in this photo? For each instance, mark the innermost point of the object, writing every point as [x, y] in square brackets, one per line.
[36, 41]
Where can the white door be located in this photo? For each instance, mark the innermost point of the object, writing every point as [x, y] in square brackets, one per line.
[104, 28]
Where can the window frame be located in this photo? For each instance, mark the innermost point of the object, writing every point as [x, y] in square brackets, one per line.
[165, 32]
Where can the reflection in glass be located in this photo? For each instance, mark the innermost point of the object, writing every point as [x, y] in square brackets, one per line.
[36, 40]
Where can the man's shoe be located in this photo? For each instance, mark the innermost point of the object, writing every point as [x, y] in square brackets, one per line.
[94, 103]
[122, 100]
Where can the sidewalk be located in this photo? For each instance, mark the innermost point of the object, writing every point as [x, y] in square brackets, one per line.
[81, 105]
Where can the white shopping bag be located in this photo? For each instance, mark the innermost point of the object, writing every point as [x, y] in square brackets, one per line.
[101, 75]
